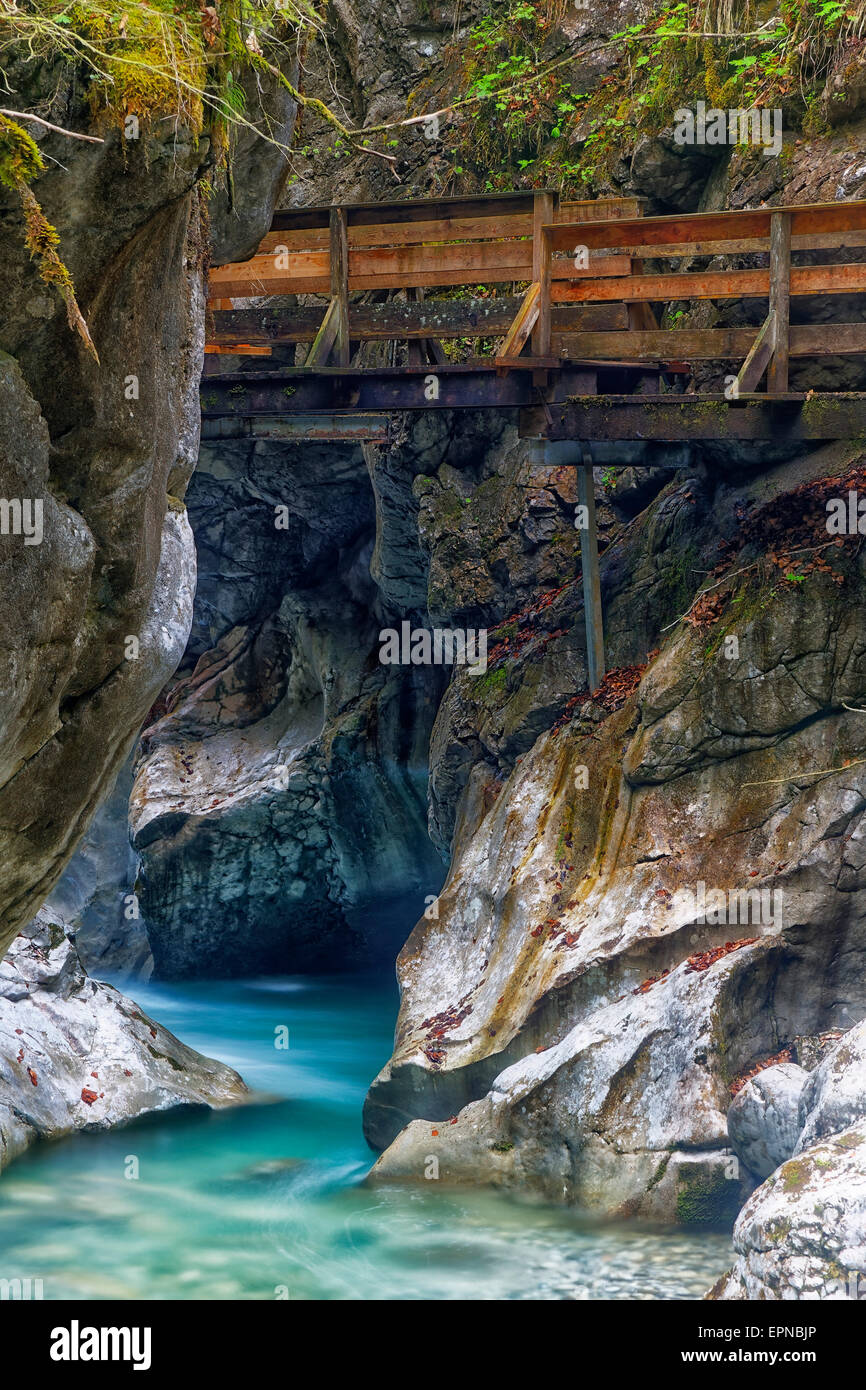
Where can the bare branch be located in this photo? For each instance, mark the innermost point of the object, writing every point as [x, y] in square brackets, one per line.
[72, 134]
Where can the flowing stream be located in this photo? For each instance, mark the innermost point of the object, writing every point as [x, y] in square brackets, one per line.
[265, 1201]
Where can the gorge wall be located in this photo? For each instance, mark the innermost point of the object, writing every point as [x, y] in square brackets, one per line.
[573, 1022]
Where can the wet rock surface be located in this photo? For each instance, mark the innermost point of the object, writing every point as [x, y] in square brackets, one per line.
[574, 1020]
[802, 1234]
[76, 1054]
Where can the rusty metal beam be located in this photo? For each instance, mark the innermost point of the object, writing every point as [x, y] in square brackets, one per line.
[320, 426]
[781, 418]
[293, 390]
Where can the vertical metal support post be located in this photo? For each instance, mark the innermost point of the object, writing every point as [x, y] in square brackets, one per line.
[591, 575]
[780, 298]
[340, 282]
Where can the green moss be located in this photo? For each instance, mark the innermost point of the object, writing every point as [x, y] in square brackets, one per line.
[502, 1147]
[164, 1057]
[20, 160]
[848, 1141]
[659, 1173]
[706, 1198]
[778, 1229]
[795, 1175]
[491, 683]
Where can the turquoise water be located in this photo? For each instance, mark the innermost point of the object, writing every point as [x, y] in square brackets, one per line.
[264, 1201]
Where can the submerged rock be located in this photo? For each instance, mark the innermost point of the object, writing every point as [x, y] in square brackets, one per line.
[76, 1054]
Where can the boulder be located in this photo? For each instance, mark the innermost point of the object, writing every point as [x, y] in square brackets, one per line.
[76, 1054]
[764, 1120]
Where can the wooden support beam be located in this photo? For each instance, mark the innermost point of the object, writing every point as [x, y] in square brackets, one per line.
[591, 574]
[339, 271]
[780, 299]
[524, 322]
[544, 207]
[759, 356]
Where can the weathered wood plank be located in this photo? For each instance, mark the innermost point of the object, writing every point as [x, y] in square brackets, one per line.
[394, 234]
[808, 219]
[443, 318]
[709, 344]
[599, 210]
[471, 386]
[465, 263]
[408, 211]
[780, 299]
[739, 247]
[714, 284]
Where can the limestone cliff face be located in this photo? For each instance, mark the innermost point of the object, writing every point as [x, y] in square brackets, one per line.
[97, 613]
[571, 1009]
[106, 450]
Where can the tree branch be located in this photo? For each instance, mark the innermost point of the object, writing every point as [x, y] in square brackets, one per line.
[58, 129]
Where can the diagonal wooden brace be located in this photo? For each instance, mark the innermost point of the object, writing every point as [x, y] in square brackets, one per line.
[759, 357]
[522, 325]
[323, 343]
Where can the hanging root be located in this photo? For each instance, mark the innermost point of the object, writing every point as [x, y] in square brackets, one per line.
[20, 162]
[42, 241]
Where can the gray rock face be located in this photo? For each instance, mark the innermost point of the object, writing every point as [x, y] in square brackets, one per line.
[106, 452]
[764, 1120]
[803, 1233]
[75, 1054]
[95, 895]
[240, 211]
[281, 795]
[97, 611]
[575, 1007]
[835, 1095]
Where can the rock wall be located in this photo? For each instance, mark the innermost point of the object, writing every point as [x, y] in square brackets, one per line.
[569, 1022]
[106, 451]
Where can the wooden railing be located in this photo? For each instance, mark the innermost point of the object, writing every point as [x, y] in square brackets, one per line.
[585, 294]
[776, 232]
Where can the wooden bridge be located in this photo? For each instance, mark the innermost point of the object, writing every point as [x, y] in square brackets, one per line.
[521, 302]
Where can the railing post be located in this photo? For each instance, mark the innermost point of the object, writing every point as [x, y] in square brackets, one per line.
[340, 282]
[543, 209]
[591, 574]
[780, 298]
